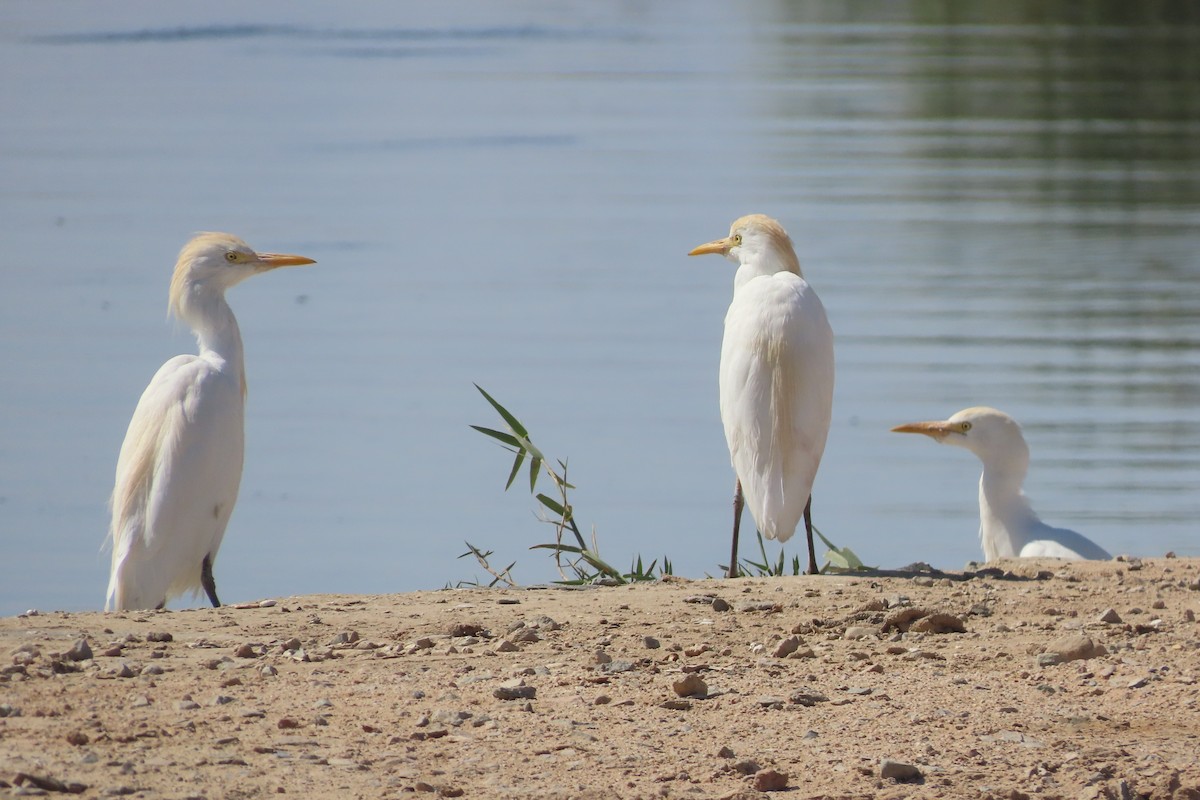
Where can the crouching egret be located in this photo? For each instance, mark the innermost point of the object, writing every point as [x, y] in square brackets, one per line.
[1008, 526]
[776, 381]
[181, 462]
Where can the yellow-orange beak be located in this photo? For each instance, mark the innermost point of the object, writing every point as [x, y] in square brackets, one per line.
[936, 429]
[719, 246]
[273, 260]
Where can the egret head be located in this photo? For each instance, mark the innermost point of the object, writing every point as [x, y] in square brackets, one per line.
[216, 261]
[755, 238]
[986, 432]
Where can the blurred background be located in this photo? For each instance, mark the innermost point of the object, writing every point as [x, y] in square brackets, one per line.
[998, 203]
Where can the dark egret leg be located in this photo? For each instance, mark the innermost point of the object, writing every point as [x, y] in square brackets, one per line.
[738, 504]
[206, 580]
[812, 554]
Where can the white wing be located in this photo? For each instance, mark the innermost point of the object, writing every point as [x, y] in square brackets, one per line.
[776, 384]
[177, 482]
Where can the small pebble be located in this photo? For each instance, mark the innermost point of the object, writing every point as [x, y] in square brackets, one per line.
[769, 780]
[1073, 647]
[459, 629]
[787, 646]
[690, 685]
[80, 651]
[939, 623]
[898, 770]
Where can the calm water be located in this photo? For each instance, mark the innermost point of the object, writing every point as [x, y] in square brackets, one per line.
[999, 210]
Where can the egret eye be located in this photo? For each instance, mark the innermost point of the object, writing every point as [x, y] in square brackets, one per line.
[966, 426]
[231, 257]
[737, 238]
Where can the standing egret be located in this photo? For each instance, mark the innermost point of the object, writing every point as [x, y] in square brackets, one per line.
[1008, 526]
[776, 381]
[181, 462]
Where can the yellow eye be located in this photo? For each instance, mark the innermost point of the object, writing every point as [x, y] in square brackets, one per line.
[737, 238]
[231, 257]
[966, 426]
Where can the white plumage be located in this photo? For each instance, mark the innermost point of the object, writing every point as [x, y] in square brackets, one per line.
[181, 462]
[776, 380]
[1008, 526]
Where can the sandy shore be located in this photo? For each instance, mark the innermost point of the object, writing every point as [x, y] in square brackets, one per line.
[802, 684]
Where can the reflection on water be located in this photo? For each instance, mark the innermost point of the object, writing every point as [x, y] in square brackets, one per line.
[997, 202]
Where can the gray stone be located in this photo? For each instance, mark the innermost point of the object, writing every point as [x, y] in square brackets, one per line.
[80, 651]
[452, 718]
[808, 698]
[514, 690]
[1073, 647]
[1111, 616]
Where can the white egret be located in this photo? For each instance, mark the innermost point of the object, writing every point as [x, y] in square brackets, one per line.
[181, 462]
[1008, 526]
[776, 381]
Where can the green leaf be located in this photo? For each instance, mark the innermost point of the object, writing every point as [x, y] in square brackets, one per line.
[599, 563]
[512, 421]
[553, 505]
[535, 466]
[516, 467]
[564, 548]
[507, 438]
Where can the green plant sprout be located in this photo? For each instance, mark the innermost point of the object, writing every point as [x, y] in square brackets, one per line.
[577, 563]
